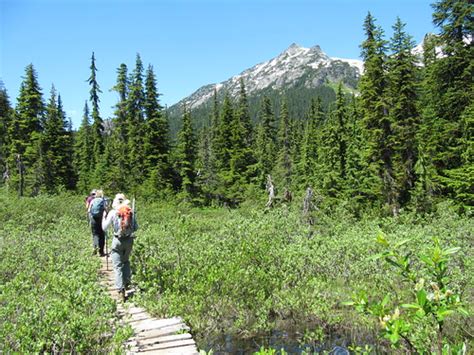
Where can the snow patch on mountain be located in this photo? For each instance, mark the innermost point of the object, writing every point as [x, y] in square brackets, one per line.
[359, 64]
[296, 65]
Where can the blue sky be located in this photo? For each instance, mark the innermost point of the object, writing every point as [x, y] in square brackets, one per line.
[190, 43]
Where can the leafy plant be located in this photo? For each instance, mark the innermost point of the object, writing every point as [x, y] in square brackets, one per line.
[432, 299]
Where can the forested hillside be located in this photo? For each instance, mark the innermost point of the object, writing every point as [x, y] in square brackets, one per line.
[405, 140]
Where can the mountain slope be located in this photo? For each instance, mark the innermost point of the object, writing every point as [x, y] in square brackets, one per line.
[296, 68]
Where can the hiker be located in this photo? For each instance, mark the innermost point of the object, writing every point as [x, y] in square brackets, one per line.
[89, 199]
[124, 225]
[96, 211]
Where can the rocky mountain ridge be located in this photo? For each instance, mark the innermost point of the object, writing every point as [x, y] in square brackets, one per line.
[296, 66]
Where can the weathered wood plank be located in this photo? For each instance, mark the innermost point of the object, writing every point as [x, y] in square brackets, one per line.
[169, 346]
[164, 339]
[190, 350]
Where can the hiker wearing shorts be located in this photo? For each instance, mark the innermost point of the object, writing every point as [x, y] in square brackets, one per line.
[122, 242]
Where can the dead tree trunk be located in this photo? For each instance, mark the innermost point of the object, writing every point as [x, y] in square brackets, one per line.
[308, 206]
[271, 192]
[21, 171]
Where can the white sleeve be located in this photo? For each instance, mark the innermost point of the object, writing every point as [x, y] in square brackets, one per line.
[107, 220]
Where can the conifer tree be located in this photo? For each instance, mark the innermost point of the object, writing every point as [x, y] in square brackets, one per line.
[186, 157]
[404, 117]
[429, 132]
[308, 170]
[55, 146]
[120, 113]
[97, 130]
[68, 173]
[136, 122]
[116, 148]
[332, 155]
[83, 151]
[223, 139]
[243, 113]
[358, 182]
[373, 88]
[284, 166]
[208, 159]
[265, 142]
[156, 142]
[6, 113]
[241, 155]
[24, 134]
[203, 165]
[452, 86]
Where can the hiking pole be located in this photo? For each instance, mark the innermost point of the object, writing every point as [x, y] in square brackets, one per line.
[106, 253]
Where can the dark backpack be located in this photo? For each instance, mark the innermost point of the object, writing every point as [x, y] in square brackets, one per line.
[97, 207]
[124, 223]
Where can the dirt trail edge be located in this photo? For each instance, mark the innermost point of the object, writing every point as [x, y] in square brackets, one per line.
[151, 335]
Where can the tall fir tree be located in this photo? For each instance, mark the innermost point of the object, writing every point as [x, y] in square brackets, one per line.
[332, 152]
[83, 152]
[373, 93]
[24, 134]
[116, 149]
[265, 141]
[308, 170]
[68, 173]
[358, 182]
[97, 130]
[284, 166]
[243, 113]
[452, 86]
[223, 139]
[156, 139]
[208, 161]
[186, 157]
[136, 123]
[120, 113]
[402, 92]
[6, 113]
[427, 184]
[55, 146]
[241, 155]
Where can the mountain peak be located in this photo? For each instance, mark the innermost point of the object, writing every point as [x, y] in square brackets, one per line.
[293, 46]
[296, 66]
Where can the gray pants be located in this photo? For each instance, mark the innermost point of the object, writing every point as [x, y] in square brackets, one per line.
[121, 249]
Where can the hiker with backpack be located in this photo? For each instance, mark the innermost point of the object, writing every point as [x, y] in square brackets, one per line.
[88, 201]
[96, 212]
[89, 198]
[124, 224]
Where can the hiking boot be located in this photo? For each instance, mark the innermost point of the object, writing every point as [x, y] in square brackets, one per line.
[122, 294]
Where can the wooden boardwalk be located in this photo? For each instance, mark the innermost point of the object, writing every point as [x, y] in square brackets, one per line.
[151, 335]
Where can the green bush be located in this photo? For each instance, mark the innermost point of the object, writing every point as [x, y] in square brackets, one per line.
[50, 299]
[249, 271]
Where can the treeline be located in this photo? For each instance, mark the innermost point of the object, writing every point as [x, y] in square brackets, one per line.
[406, 139]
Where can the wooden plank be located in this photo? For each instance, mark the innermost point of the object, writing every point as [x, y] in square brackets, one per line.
[170, 346]
[190, 350]
[158, 324]
[164, 339]
[154, 333]
[138, 318]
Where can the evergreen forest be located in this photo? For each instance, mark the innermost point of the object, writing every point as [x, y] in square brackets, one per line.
[405, 140]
